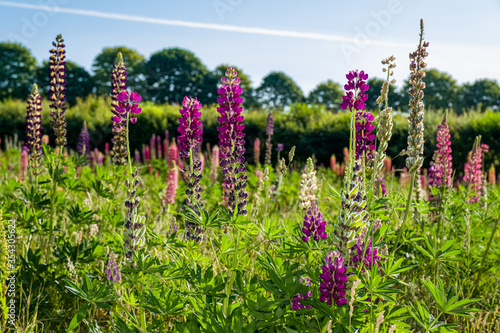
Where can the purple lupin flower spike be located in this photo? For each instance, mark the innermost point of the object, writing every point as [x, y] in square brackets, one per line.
[34, 130]
[83, 146]
[231, 142]
[371, 256]
[296, 305]
[441, 169]
[190, 136]
[334, 277]
[314, 225]
[118, 85]
[355, 98]
[57, 76]
[473, 170]
[112, 272]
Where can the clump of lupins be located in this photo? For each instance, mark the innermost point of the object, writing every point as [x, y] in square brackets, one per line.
[231, 142]
[473, 170]
[83, 146]
[189, 138]
[112, 271]
[269, 133]
[34, 130]
[172, 175]
[118, 85]
[416, 118]
[57, 76]
[333, 285]
[441, 169]
[308, 186]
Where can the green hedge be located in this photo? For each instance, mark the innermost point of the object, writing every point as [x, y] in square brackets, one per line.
[312, 130]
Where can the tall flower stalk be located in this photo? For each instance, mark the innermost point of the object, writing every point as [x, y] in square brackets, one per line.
[473, 170]
[416, 118]
[34, 130]
[118, 85]
[231, 143]
[57, 92]
[135, 228]
[83, 146]
[384, 131]
[190, 136]
[269, 133]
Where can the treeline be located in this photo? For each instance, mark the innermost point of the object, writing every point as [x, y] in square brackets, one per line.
[170, 74]
[313, 130]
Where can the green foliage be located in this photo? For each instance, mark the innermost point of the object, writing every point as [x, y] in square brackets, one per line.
[278, 91]
[103, 65]
[18, 71]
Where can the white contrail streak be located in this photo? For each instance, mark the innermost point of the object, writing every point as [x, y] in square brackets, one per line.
[199, 25]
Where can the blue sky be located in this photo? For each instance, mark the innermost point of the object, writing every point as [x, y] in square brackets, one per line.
[311, 41]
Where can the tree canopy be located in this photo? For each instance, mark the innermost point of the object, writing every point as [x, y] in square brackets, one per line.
[103, 65]
[328, 93]
[278, 90]
[18, 71]
[174, 73]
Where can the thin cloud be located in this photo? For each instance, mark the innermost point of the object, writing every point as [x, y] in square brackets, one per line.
[199, 25]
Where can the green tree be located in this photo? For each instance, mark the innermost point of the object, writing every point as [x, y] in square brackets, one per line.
[103, 65]
[213, 82]
[18, 71]
[79, 83]
[374, 92]
[328, 93]
[278, 90]
[483, 92]
[440, 90]
[174, 73]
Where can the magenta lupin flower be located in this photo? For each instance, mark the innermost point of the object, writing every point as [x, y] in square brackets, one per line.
[334, 277]
[473, 170]
[127, 107]
[112, 272]
[364, 135]
[441, 169]
[314, 225]
[355, 96]
[296, 305]
[189, 126]
[231, 142]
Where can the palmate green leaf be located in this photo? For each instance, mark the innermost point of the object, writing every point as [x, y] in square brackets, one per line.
[394, 268]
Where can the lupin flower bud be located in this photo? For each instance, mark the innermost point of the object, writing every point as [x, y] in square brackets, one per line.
[118, 85]
[83, 146]
[269, 133]
[334, 277]
[416, 118]
[57, 76]
[231, 142]
[112, 272]
[34, 130]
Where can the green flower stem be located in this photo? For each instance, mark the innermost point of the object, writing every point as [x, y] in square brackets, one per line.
[408, 203]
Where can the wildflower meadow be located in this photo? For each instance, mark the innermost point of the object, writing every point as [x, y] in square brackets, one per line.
[181, 235]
